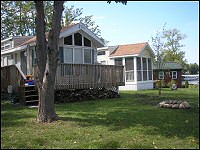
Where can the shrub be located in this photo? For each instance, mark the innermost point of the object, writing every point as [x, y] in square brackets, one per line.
[194, 86]
[157, 84]
[186, 84]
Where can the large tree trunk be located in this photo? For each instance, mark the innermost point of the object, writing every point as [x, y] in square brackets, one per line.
[47, 60]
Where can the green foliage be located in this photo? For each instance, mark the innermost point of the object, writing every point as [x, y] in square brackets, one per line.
[172, 47]
[186, 84]
[18, 18]
[132, 121]
[72, 14]
[167, 47]
[170, 83]
[194, 86]
[160, 82]
[123, 2]
[193, 68]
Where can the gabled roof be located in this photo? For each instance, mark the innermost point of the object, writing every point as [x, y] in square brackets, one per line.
[129, 49]
[168, 65]
[70, 29]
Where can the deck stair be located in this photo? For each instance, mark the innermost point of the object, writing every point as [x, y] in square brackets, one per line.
[31, 95]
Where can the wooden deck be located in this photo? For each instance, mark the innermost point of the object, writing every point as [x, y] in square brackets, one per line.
[83, 76]
[68, 76]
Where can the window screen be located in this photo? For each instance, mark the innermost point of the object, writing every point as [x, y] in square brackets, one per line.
[118, 61]
[129, 63]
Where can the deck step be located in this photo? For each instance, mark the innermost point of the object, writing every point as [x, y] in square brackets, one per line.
[31, 91]
[31, 101]
[31, 94]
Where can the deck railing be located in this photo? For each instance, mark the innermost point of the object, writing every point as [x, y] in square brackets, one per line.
[81, 76]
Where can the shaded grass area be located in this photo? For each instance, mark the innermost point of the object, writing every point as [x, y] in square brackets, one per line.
[131, 121]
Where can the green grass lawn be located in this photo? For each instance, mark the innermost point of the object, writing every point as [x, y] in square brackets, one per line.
[131, 121]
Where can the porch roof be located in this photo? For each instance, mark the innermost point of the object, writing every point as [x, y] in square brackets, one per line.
[129, 49]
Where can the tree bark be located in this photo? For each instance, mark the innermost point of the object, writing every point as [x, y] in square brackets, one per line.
[47, 60]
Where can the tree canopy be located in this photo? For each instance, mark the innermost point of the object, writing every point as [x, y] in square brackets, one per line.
[18, 18]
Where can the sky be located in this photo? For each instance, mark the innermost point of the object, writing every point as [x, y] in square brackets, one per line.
[138, 21]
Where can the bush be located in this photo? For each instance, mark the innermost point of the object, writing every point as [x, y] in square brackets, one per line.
[194, 86]
[170, 83]
[186, 84]
[157, 84]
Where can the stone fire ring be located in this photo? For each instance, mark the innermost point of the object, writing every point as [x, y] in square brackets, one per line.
[174, 104]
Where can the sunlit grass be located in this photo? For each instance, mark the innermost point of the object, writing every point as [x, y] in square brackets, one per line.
[131, 121]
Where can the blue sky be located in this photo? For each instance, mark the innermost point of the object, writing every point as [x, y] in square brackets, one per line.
[138, 21]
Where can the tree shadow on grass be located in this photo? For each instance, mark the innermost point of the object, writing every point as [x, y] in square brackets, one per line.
[139, 110]
[14, 115]
[162, 122]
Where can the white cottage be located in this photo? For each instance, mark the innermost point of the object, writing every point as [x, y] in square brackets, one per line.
[137, 59]
[77, 45]
[77, 67]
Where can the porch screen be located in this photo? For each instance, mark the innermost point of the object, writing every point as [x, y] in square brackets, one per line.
[129, 66]
[139, 71]
[149, 69]
[118, 61]
[144, 64]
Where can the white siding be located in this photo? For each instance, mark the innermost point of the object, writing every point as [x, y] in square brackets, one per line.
[137, 86]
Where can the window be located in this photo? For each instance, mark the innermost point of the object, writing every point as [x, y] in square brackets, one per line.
[129, 65]
[68, 55]
[78, 39]
[118, 62]
[101, 53]
[78, 56]
[68, 40]
[87, 56]
[174, 74]
[87, 42]
[161, 75]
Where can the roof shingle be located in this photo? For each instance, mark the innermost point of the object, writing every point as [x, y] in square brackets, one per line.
[128, 49]
[168, 65]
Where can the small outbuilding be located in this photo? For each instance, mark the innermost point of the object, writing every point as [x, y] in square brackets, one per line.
[169, 71]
